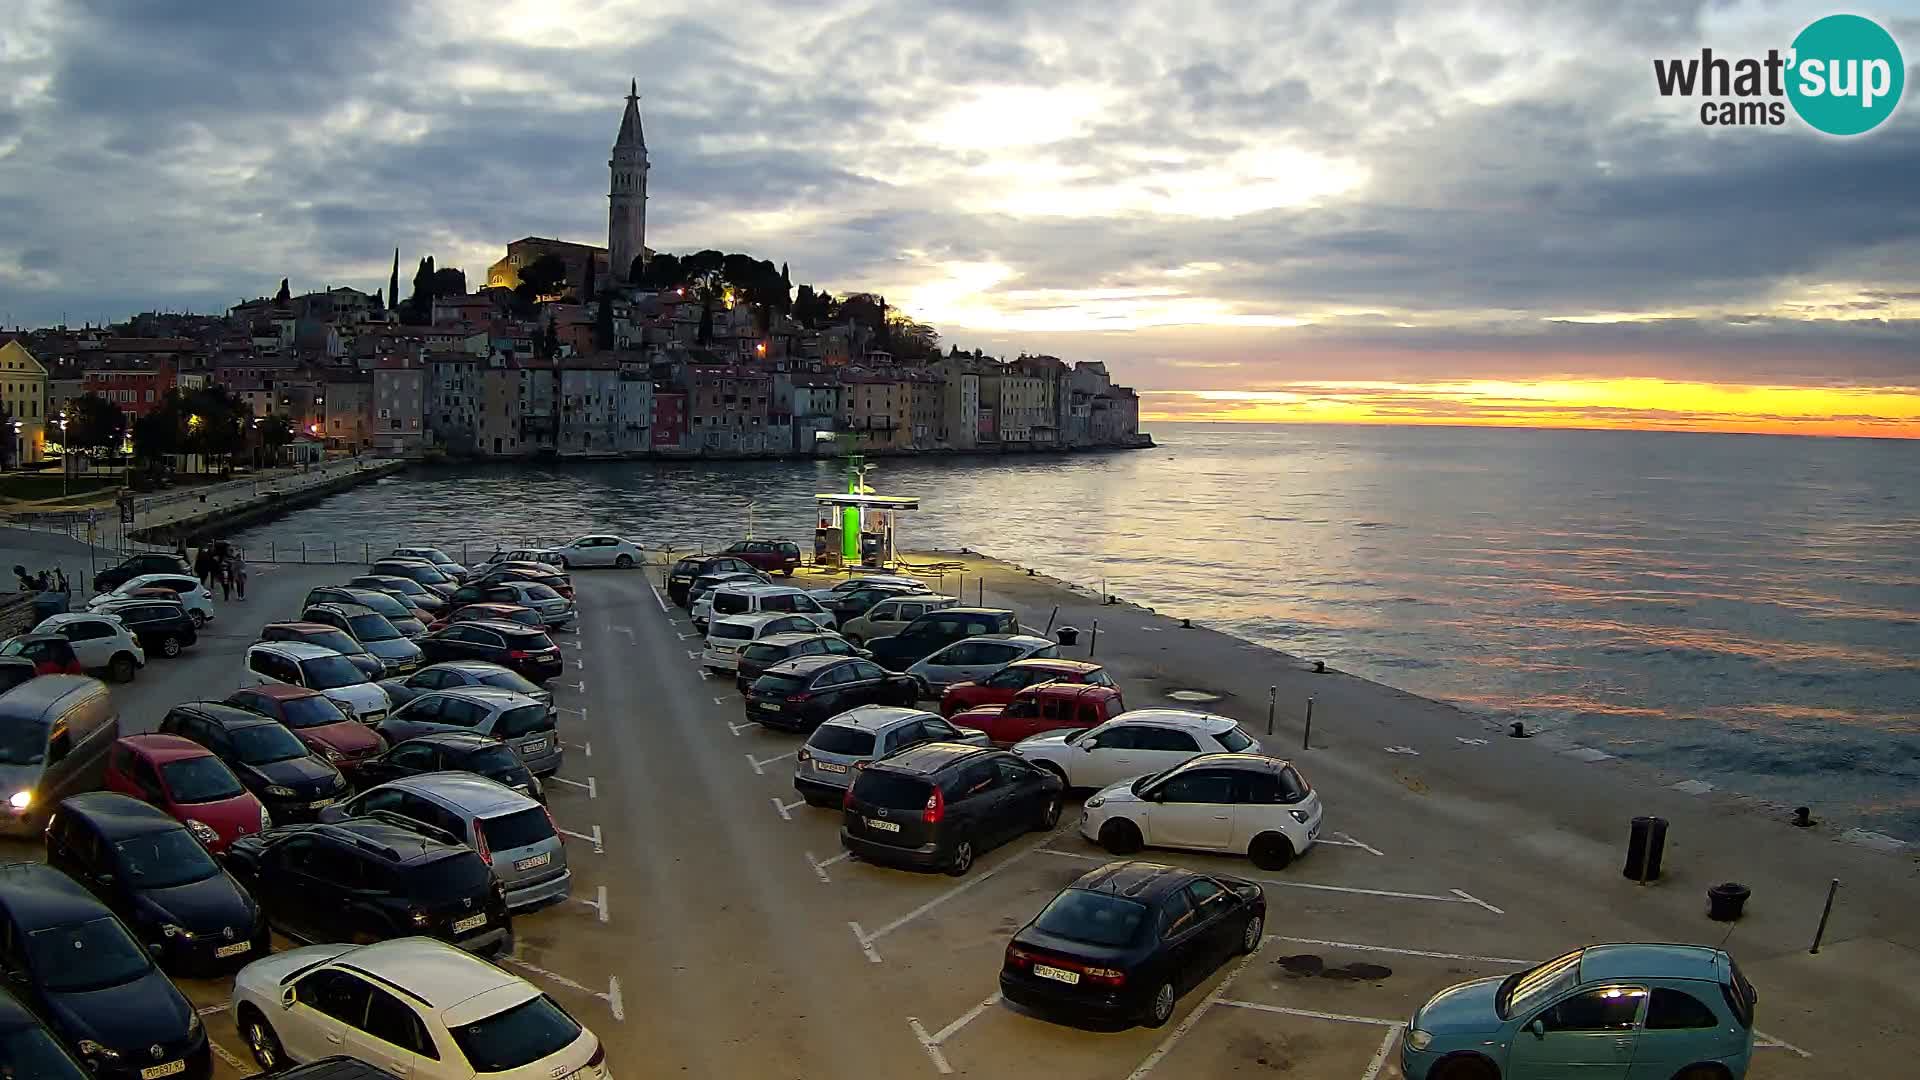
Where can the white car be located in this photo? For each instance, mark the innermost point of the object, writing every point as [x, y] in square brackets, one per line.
[299, 663]
[195, 597]
[728, 634]
[100, 643]
[441, 561]
[1134, 744]
[600, 550]
[416, 1007]
[1236, 804]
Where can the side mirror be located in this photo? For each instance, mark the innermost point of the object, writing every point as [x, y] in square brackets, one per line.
[286, 998]
[104, 877]
[1538, 1027]
[156, 950]
[1086, 745]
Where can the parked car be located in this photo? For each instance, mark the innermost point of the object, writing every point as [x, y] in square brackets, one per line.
[451, 674]
[1122, 943]
[316, 719]
[493, 612]
[772, 556]
[759, 655]
[553, 608]
[1681, 1011]
[848, 604]
[512, 832]
[368, 877]
[680, 578]
[453, 751]
[1042, 708]
[1001, 687]
[938, 806]
[196, 598]
[160, 626]
[100, 643]
[700, 593]
[149, 870]
[15, 670]
[520, 648]
[522, 723]
[405, 618]
[434, 1013]
[838, 749]
[440, 560]
[1132, 744]
[271, 761]
[892, 614]
[935, 630]
[727, 635]
[419, 571]
[51, 654]
[406, 589]
[600, 550]
[30, 1050]
[802, 693]
[556, 580]
[187, 781]
[293, 663]
[55, 731]
[976, 658]
[73, 962]
[371, 629]
[733, 599]
[153, 562]
[329, 637]
[544, 556]
[1234, 804]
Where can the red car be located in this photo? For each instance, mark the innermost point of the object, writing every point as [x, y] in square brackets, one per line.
[999, 688]
[513, 613]
[331, 734]
[51, 654]
[1047, 707]
[770, 556]
[185, 779]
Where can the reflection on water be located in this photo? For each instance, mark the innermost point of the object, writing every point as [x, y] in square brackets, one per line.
[1741, 608]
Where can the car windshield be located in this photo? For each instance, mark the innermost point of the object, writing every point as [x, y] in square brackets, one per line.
[1092, 918]
[305, 712]
[839, 739]
[86, 956]
[264, 744]
[372, 627]
[199, 780]
[1520, 993]
[164, 859]
[731, 631]
[405, 585]
[891, 790]
[508, 680]
[426, 574]
[1233, 739]
[22, 743]
[456, 877]
[540, 592]
[524, 720]
[330, 673]
[526, 1033]
[685, 567]
[433, 555]
[29, 1052]
[337, 640]
[521, 828]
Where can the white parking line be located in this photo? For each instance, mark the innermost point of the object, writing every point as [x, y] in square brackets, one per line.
[694, 654]
[1355, 946]
[581, 712]
[593, 839]
[931, 1043]
[820, 866]
[599, 905]
[1472, 899]
[611, 997]
[783, 808]
[233, 1060]
[569, 644]
[1343, 840]
[688, 637]
[581, 686]
[740, 727]
[1379, 1059]
[759, 763]
[658, 599]
[627, 630]
[592, 787]
[726, 698]
[585, 747]
[1178, 1033]
[1310, 1014]
[578, 666]
[1762, 1039]
[1459, 897]
[705, 674]
[866, 940]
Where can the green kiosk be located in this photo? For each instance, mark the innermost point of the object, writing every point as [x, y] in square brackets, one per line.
[856, 529]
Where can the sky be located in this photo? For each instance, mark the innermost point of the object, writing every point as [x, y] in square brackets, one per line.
[1356, 210]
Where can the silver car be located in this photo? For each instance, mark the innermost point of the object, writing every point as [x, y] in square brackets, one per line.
[838, 749]
[525, 724]
[373, 631]
[554, 609]
[514, 834]
[975, 658]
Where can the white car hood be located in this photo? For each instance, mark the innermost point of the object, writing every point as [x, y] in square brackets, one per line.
[363, 697]
[1117, 793]
[1046, 740]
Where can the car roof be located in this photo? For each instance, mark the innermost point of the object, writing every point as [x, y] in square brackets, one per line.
[433, 971]
[1599, 963]
[790, 637]
[229, 716]
[1185, 719]
[475, 793]
[757, 619]
[929, 758]
[467, 665]
[283, 691]
[503, 626]
[13, 1014]
[494, 605]
[1261, 762]
[161, 749]
[761, 589]
[408, 845]
[304, 626]
[949, 611]
[117, 815]
[1067, 690]
[1025, 640]
[1078, 667]
[465, 740]
[1134, 880]
[295, 650]
[876, 717]
[39, 694]
[495, 697]
[65, 617]
[38, 896]
[807, 665]
[344, 609]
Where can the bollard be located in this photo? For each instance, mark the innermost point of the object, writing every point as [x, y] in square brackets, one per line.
[1050, 618]
[980, 597]
[1272, 692]
[335, 545]
[1821, 932]
[1306, 736]
[1094, 640]
[1646, 842]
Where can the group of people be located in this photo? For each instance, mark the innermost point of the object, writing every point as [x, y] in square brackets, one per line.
[223, 563]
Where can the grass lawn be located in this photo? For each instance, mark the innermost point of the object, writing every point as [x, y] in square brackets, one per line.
[30, 487]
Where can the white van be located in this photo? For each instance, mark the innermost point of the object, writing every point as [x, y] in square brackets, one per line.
[297, 663]
[782, 599]
[729, 634]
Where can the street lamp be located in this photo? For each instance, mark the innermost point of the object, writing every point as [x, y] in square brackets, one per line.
[66, 457]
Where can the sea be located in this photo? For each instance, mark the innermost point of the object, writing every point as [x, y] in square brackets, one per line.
[1740, 609]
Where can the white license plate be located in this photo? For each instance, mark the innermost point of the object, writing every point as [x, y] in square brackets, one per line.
[829, 766]
[537, 860]
[770, 706]
[320, 804]
[883, 826]
[171, 1068]
[234, 949]
[471, 922]
[539, 747]
[1071, 978]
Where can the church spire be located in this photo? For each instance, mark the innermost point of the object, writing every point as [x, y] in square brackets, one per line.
[631, 133]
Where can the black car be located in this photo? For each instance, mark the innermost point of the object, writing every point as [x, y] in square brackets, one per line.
[28, 1049]
[519, 648]
[270, 760]
[558, 581]
[937, 806]
[936, 630]
[460, 751]
[400, 614]
[72, 962]
[799, 694]
[1123, 942]
[367, 877]
[160, 881]
[158, 562]
[760, 655]
[161, 626]
[680, 578]
[415, 594]
[493, 592]
[855, 602]
[418, 571]
[454, 673]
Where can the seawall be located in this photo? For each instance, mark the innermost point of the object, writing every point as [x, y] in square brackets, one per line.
[203, 513]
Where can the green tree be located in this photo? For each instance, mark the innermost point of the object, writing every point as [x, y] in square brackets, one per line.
[274, 432]
[8, 438]
[603, 323]
[157, 435]
[662, 272]
[284, 294]
[449, 281]
[547, 275]
[592, 287]
[94, 423]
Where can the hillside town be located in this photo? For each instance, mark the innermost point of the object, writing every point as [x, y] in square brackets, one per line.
[568, 350]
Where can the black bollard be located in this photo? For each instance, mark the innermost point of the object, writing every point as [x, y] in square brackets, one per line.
[1646, 843]
[1726, 900]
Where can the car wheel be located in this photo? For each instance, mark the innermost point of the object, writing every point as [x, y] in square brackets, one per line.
[1051, 768]
[962, 860]
[1250, 937]
[261, 1040]
[1161, 1010]
[1120, 837]
[121, 668]
[1270, 851]
[1049, 814]
[199, 619]
[1701, 1072]
[1464, 1068]
[855, 640]
[624, 562]
[563, 562]
[170, 646]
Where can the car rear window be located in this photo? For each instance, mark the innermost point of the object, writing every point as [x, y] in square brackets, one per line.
[685, 567]
[1233, 739]
[729, 603]
[532, 642]
[891, 790]
[775, 684]
[460, 875]
[509, 680]
[764, 654]
[306, 712]
[1093, 918]
[518, 829]
[839, 739]
[531, 1030]
[382, 603]
[1740, 995]
[492, 761]
[731, 631]
[524, 720]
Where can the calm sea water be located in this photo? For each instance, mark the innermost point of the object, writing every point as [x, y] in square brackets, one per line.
[1744, 609]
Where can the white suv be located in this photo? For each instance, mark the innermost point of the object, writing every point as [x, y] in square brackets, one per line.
[416, 1007]
[1133, 744]
[100, 643]
[727, 635]
[1237, 804]
[195, 597]
[298, 663]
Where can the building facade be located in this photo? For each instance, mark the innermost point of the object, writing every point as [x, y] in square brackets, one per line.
[627, 191]
[399, 406]
[24, 393]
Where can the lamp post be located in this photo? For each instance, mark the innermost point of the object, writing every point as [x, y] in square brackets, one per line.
[66, 457]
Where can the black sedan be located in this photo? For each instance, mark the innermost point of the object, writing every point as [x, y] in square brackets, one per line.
[159, 880]
[450, 674]
[29, 1049]
[518, 648]
[76, 965]
[757, 657]
[156, 562]
[270, 761]
[452, 750]
[1125, 941]
[800, 694]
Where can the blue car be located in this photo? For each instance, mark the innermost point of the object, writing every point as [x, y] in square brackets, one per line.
[1605, 1012]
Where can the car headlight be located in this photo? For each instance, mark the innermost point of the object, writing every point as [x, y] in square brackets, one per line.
[1096, 802]
[202, 832]
[279, 792]
[1298, 815]
[334, 757]
[193, 1025]
[89, 1048]
[419, 918]
[1418, 1039]
[266, 820]
[20, 800]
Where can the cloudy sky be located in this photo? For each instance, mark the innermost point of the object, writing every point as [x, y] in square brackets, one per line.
[1330, 209]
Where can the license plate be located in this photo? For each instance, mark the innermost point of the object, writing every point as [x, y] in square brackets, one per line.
[471, 922]
[770, 706]
[883, 826]
[234, 949]
[829, 766]
[320, 804]
[171, 1068]
[1071, 978]
[538, 746]
[537, 860]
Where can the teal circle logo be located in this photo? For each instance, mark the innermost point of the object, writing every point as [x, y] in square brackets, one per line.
[1847, 75]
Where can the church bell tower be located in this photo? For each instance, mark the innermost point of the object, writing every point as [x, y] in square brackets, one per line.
[627, 196]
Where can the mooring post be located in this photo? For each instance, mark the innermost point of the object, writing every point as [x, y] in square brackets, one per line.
[1094, 640]
[1832, 887]
[1306, 735]
[1050, 618]
[1272, 693]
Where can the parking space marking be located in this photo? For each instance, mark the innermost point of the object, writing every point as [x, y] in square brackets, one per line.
[593, 839]
[692, 654]
[688, 637]
[931, 1043]
[1374, 1064]
[1472, 899]
[209, 1010]
[591, 786]
[578, 665]
[726, 698]
[1173, 1037]
[1347, 841]
[581, 712]
[866, 940]
[584, 747]
[580, 686]
[568, 644]
[705, 674]
[820, 865]
[611, 996]
[1762, 1039]
[1386, 1047]
[1459, 897]
[233, 1060]
[738, 728]
[783, 808]
[627, 630]
[599, 904]
[1356, 947]
[758, 763]
[659, 600]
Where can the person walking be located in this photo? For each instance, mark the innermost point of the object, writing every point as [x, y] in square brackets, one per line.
[239, 571]
[225, 574]
[203, 566]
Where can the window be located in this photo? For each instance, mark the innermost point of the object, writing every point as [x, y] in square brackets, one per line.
[1121, 737]
[1200, 786]
[1613, 1008]
[1176, 913]
[976, 778]
[414, 756]
[1674, 1010]
[1204, 891]
[391, 1020]
[865, 671]
[336, 993]
[1167, 739]
[1012, 772]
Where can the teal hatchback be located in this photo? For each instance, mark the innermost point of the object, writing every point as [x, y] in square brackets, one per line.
[1605, 1012]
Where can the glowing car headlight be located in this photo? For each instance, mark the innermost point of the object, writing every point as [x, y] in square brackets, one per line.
[1418, 1039]
[202, 832]
[20, 800]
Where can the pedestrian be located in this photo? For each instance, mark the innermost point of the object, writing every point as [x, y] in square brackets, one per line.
[26, 583]
[203, 566]
[239, 569]
[225, 574]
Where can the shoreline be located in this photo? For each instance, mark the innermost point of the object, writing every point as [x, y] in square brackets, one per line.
[432, 458]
